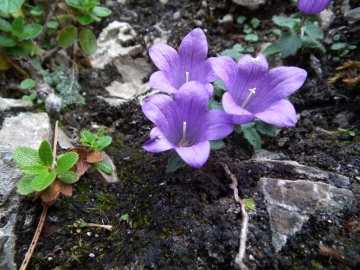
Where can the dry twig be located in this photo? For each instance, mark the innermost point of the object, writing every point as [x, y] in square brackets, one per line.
[245, 219]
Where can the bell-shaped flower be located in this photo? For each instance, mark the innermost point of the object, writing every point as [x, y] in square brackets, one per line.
[184, 124]
[312, 7]
[254, 92]
[188, 64]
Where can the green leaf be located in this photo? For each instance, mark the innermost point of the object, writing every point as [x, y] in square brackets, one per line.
[103, 165]
[336, 37]
[74, 3]
[124, 217]
[313, 31]
[90, 4]
[10, 6]
[101, 11]
[5, 26]
[338, 46]
[238, 47]
[217, 145]
[104, 141]
[67, 36]
[251, 37]
[352, 47]
[42, 181]
[26, 98]
[52, 25]
[23, 49]
[66, 162]
[255, 22]
[25, 156]
[85, 19]
[344, 52]
[100, 132]
[308, 42]
[265, 128]
[34, 169]
[88, 41]
[27, 84]
[232, 53]
[17, 25]
[241, 19]
[249, 204]
[174, 163]
[45, 153]
[68, 177]
[277, 32]
[272, 49]
[289, 44]
[214, 105]
[352, 133]
[291, 23]
[6, 41]
[24, 186]
[31, 30]
[252, 137]
[87, 136]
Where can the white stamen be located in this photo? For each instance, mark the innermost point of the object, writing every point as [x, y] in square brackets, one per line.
[187, 78]
[252, 92]
[184, 132]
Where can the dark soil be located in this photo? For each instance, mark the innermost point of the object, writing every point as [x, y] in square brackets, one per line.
[188, 219]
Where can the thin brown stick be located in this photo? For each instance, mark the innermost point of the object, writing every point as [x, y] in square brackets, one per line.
[245, 219]
[56, 134]
[35, 239]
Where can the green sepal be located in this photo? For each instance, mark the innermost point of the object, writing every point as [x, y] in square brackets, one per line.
[45, 153]
[42, 181]
[68, 177]
[66, 162]
[34, 169]
[25, 156]
[24, 186]
[103, 165]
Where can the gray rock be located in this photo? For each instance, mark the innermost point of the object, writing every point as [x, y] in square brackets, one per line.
[341, 120]
[9, 103]
[289, 203]
[250, 4]
[26, 129]
[353, 15]
[133, 67]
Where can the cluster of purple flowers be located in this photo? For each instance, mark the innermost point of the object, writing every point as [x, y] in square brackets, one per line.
[182, 120]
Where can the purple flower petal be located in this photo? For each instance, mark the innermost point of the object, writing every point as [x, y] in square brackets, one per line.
[189, 64]
[312, 7]
[252, 90]
[240, 115]
[157, 142]
[281, 114]
[159, 81]
[195, 155]
[218, 125]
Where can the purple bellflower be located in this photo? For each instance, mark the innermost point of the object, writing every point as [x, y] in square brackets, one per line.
[312, 7]
[184, 124]
[188, 64]
[254, 92]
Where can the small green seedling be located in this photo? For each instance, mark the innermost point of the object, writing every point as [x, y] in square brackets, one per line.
[27, 84]
[351, 133]
[125, 217]
[41, 169]
[79, 225]
[342, 48]
[249, 204]
[91, 154]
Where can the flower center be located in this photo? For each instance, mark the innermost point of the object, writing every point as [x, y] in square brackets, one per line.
[187, 77]
[252, 92]
[184, 142]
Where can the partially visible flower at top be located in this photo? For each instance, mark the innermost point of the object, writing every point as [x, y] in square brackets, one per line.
[312, 7]
[184, 124]
[188, 64]
[254, 92]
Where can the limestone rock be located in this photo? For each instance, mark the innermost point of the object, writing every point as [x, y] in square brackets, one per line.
[250, 4]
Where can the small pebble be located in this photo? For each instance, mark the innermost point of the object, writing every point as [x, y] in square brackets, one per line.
[251, 257]
[91, 255]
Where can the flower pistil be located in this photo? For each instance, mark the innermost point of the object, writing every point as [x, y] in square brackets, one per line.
[252, 92]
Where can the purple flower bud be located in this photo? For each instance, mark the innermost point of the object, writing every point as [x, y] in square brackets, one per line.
[312, 7]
